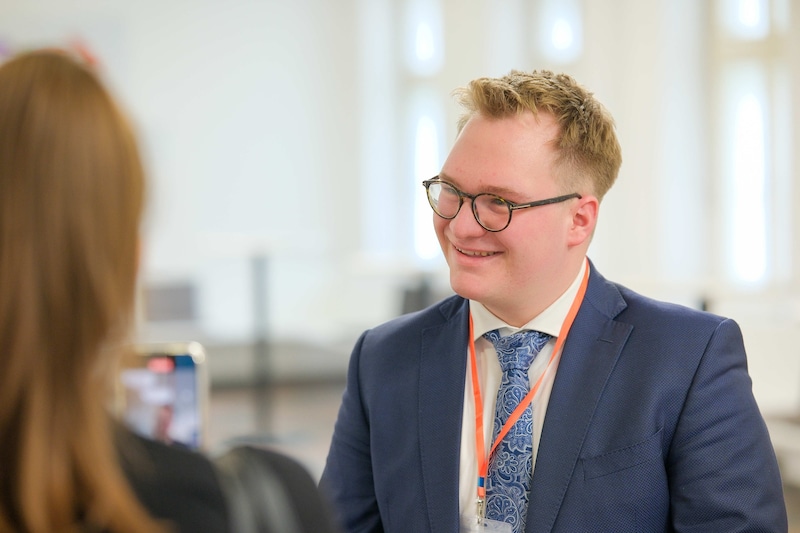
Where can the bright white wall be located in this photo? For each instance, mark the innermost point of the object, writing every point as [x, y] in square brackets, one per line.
[262, 123]
[248, 115]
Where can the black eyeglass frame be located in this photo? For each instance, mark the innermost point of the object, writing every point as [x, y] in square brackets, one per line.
[512, 206]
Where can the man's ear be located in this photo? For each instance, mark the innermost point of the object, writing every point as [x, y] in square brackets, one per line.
[584, 219]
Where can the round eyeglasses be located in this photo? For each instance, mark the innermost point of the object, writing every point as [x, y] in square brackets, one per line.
[492, 212]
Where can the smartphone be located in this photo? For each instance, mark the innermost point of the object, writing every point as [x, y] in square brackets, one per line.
[163, 393]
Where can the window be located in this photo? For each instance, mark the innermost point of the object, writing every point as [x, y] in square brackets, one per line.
[560, 30]
[424, 53]
[426, 165]
[751, 57]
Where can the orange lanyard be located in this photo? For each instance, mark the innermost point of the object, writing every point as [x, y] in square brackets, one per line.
[483, 457]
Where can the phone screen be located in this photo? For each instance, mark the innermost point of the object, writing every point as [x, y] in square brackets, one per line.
[162, 395]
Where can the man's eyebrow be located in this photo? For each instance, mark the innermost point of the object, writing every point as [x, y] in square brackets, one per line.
[501, 191]
[449, 179]
[491, 189]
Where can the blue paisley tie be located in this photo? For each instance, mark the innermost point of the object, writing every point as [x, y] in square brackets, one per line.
[510, 469]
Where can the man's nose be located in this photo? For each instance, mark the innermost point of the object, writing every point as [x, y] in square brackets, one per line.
[465, 223]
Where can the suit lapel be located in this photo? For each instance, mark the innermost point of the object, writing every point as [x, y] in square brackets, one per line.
[443, 360]
[590, 353]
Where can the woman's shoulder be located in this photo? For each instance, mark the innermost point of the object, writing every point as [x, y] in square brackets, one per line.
[174, 483]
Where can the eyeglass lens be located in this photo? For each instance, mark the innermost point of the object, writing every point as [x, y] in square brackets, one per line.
[491, 211]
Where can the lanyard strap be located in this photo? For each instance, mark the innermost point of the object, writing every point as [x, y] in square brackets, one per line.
[483, 457]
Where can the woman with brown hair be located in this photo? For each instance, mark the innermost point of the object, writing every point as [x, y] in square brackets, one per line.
[71, 199]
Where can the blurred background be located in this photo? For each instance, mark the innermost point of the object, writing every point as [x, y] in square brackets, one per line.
[286, 143]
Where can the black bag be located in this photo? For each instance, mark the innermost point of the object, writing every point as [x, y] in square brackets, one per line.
[268, 492]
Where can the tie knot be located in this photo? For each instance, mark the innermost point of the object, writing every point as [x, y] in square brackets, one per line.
[517, 351]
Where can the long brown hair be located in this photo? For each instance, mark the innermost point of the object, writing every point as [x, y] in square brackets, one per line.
[71, 198]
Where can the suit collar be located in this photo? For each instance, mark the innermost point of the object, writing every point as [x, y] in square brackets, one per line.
[589, 355]
[603, 295]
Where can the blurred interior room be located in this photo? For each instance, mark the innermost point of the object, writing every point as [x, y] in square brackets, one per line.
[286, 143]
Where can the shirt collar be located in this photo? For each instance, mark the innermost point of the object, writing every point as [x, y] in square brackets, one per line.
[548, 321]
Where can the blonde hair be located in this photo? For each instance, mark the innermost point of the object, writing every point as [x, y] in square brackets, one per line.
[589, 152]
[71, 198]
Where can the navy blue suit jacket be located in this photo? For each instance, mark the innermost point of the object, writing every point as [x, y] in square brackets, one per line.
[651, 425]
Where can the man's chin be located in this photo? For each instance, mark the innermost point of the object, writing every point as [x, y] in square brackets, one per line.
[466, 288]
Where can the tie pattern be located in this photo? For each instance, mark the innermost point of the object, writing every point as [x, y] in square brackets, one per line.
[511, 466]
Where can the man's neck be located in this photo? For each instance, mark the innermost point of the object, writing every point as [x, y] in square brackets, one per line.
[530, 308]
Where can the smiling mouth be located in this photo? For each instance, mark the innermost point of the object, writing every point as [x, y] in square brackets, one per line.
[475, 254]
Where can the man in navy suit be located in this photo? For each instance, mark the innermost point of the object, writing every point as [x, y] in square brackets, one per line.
[643, 418]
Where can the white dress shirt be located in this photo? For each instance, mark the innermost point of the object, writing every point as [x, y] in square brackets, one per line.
[489, 375]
